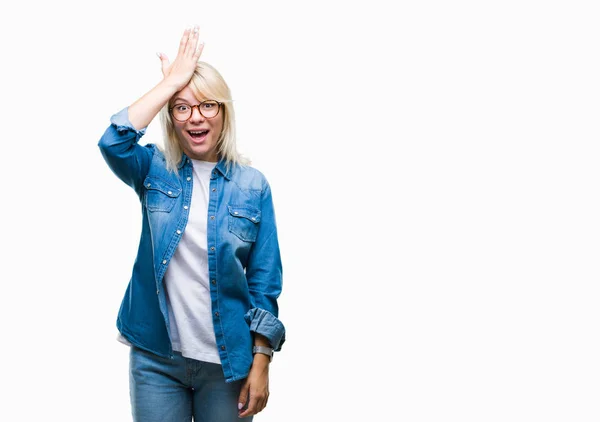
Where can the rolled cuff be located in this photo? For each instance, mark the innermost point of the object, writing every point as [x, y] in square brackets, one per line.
[121, 121]
[265, 323]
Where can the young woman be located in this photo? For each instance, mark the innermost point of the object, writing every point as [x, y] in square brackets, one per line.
[200, 310]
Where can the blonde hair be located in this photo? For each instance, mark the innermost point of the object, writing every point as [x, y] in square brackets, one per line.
[206, 82]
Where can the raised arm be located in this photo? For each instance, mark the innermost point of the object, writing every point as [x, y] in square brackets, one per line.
[119, 144]
[176, 76]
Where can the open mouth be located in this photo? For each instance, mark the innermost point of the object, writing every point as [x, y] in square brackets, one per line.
[198, 135]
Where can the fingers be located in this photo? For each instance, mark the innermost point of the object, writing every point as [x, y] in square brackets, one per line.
[191, 47]
[243, 397]
[256, 404]
[199, 51]
[182, 69]
[164, 61]
[184, 41]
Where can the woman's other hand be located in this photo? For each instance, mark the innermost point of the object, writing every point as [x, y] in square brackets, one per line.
[254, 393]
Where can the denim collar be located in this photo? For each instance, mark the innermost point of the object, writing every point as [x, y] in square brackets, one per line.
[220, 166]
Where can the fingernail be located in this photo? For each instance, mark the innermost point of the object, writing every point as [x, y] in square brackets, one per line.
[240, 405]
[158, 54]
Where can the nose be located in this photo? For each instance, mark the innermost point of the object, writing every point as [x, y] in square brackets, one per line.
[196, 115]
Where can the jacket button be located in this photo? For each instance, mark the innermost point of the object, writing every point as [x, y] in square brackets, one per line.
[164, 261]
[178, 231]
[213, 281]
[212, 217]
[212, 248]
[189, 178]
[157, 292]
[217, 314]
[222, 347]
[213, 189]
[185, 207]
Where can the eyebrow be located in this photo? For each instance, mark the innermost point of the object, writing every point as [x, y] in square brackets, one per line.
[181, 99]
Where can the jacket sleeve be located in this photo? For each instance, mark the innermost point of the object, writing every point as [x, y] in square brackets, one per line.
[121, 151]
[264, 275]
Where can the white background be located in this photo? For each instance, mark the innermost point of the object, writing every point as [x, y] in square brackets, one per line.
[434, 168]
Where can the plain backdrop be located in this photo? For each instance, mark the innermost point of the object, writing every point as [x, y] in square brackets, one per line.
[434, 168]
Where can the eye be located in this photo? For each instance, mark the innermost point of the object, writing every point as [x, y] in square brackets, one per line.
[181, 107]
[209, 105]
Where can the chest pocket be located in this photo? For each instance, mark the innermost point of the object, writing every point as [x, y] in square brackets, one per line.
[160, 196]
[244, 222]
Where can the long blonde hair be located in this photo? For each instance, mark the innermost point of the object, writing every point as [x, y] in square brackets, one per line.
[206, 82]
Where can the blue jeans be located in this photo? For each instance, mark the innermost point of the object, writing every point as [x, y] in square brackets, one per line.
[165, 390]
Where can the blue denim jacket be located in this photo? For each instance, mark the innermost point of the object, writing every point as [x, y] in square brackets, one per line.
[244, 263]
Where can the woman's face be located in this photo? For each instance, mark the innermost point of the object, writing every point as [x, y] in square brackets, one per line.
[198, 135]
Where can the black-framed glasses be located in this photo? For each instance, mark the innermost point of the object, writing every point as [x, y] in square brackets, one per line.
[182, 111]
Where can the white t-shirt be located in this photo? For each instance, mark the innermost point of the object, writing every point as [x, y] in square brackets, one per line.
[186, 280]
